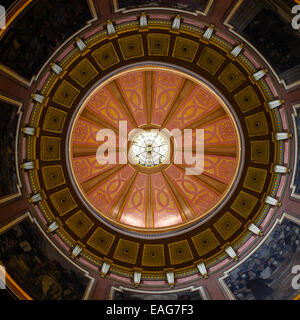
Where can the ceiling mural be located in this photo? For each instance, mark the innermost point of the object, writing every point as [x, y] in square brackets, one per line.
[147, 155]
[36, 268]
[260, 22]
[269, 267]
[9, 125]
[27, 46]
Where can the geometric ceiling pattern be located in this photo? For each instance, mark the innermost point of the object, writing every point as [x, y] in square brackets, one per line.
[108, 228]
[152, 200]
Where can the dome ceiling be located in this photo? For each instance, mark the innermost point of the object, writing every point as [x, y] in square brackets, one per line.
[93, 203]
[159, 197]
[103, 172]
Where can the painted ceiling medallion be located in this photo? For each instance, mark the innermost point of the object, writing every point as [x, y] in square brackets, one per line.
[151, 192]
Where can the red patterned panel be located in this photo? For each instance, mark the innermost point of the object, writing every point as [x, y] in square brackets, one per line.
[166, 212]
[103, 103]
[167, 86]
[197, 104]
[132, 86]
[85, 133]
[135, 208]
[200, 198]
[220, 168]
[107, 193]
[86, 168]
[219, 132]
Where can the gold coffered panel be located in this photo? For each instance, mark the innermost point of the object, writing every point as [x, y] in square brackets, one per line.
[210, 60]
[106, 56]
[101, 241]
[205, 242]
[158, 44]
[50, 149]
[244, 204]
[257, 124]
[180, 252]
[231, 77]
[153, 255]
[66, 94]
[127, 251]
[53, 176]
[247, 99]
[80, 224]
[255, 179]
[63, 201]
[260, 151]
[83, 73]
[227, 226]
[132, 47]
[185, 49]
[54, 120]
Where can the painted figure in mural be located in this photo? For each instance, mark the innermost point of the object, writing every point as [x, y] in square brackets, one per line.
[268, 269]
[27, 46]
[259, 286]
[28, 260]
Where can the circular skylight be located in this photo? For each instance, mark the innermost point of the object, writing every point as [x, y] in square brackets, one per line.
[150, 149]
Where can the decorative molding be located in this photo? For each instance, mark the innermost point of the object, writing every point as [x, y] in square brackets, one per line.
[196, 13]
[296, 148]
[201, 290]
[231, 28]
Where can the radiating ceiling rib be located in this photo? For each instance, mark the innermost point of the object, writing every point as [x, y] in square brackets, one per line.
[117, 209]
[94, 118]
[91, 184]
[85, 151]
[149, 209]
[215, 150]
[215, 185]
[149, 88]
[215, 115]
[186, 211]
[116, 92]
[187, 87]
